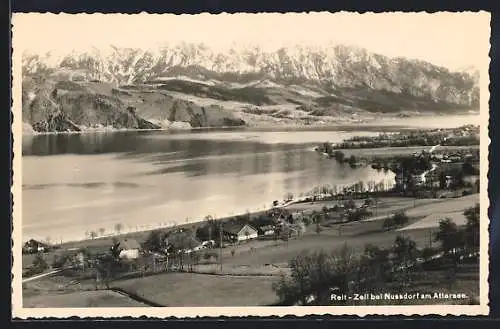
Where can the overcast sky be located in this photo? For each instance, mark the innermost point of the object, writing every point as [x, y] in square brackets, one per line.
[451, 40]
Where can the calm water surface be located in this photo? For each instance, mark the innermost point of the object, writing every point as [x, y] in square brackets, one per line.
[80, 182]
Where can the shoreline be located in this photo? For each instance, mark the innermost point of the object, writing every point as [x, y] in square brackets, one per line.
[252, 211]
[373, 121]
[179, 225]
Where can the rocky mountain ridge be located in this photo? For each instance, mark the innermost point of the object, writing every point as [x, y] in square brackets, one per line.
[192, 84]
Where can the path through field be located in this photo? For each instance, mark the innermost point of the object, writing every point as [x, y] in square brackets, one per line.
[43, 275]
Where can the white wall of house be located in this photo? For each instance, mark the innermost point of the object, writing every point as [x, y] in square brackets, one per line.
[247, 233]
[243, 237]
[130, 254]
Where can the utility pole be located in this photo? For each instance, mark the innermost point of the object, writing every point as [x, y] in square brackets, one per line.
[220, 246]
[403, 179]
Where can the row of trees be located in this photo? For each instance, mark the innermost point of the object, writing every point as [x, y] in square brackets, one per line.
[101, 231]
[362, 189]
[315, 276]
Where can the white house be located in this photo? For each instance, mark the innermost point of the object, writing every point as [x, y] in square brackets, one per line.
[130, 249]
[240, 232]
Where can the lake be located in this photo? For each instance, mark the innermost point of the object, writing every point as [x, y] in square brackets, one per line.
[74, 183]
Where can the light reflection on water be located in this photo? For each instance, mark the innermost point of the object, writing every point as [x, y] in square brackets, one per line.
[81, 182]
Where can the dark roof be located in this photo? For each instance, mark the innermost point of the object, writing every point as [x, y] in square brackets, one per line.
[33, 242]
[182, 240]
[127, 244]
[235, 228]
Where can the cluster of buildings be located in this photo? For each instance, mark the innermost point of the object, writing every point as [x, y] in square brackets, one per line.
[464, 131]
[240, 232]
[443, 173]
[33, 246]
[131, 249]
[180, 241]
[456, 157]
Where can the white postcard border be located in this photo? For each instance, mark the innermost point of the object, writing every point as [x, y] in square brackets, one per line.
[18, 311]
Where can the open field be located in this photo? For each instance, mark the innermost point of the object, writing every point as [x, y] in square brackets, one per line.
[432, 221]
[62, 281]
[384, 205]
[231, 269]
[355, 234]
[100, 298]
[282, 253]
[389, 205]
[189, 289]
[447, 206]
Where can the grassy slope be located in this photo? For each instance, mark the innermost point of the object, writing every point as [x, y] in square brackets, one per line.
[80, 299]
[189, 289]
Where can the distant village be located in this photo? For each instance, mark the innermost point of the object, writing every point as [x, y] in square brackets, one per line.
[450, 158]
[463, 136]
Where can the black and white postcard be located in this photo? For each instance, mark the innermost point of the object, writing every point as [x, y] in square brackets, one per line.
[250, 164]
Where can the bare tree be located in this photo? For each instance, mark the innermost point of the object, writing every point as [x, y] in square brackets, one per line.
[315, 275]
[92, 235]
[101, 231]
[335, 189]
[118, 228]
[288, 196]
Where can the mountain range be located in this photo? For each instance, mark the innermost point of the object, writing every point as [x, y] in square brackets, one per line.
[190, 85]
